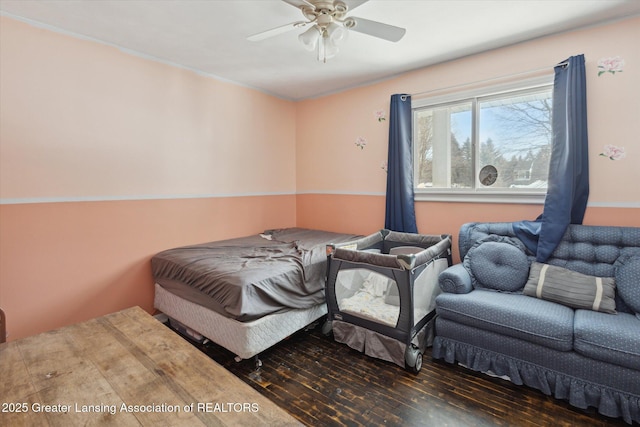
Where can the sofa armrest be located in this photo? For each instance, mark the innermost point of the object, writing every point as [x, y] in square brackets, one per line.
[455, 280]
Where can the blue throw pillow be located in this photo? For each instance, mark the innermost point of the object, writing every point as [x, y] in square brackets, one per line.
[498, 263]
[628, 281]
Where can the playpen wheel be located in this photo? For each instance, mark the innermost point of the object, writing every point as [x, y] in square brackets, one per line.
[326, 327]
[413, 359]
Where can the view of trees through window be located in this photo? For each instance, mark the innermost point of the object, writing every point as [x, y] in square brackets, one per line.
[513, 134]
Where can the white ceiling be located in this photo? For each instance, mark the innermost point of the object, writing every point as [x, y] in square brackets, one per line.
[209, 36]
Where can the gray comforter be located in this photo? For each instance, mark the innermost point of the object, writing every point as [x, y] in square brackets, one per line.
[249, 277]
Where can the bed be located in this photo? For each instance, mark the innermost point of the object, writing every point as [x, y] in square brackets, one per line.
[249, 293]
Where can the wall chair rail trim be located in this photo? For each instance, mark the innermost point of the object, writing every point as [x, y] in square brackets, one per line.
[74, 199]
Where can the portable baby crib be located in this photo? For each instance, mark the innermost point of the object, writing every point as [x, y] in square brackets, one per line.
[380, 294]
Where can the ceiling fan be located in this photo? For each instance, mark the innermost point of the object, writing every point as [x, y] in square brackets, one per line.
[329, 26]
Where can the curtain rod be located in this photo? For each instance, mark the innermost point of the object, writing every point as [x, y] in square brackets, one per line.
[561, 64]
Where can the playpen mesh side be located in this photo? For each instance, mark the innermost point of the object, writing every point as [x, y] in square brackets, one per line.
[369, 295]
[375, 296]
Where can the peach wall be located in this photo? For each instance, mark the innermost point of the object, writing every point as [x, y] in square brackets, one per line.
[343, 214]
[91, 121]
[107, 158]
[342, 186]
[62, 263]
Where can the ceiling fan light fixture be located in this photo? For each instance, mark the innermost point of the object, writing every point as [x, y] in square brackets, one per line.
[336, 33]
[309, 38]
[330, 27]
[327, 49]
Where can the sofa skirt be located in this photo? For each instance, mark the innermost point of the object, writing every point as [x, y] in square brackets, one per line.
[613, 390]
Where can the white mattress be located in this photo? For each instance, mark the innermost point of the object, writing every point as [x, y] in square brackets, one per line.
[245, 339]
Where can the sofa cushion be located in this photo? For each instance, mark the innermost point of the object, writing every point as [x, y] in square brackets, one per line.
[628, 281]
[571, 288]
[516, 315]
[612, 339]
[498, 263]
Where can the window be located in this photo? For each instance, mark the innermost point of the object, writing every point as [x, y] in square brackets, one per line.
[491, 144]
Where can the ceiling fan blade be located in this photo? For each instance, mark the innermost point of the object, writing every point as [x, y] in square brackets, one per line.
[352, 4]
[275, 31]
[299, 3]
[376, 29]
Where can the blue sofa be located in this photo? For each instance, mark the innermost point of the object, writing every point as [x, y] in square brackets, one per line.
[499, 315]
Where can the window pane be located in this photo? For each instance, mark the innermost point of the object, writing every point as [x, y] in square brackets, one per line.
[515, 138]
[443, 146]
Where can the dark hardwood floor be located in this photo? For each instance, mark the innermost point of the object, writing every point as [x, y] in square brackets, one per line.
[324, 383]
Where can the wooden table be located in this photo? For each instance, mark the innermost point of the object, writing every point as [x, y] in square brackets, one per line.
[123, 369]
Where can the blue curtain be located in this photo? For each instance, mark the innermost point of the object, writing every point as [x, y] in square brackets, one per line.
[568, 184]
[400, 212]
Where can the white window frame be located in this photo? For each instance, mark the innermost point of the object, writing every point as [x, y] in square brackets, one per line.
[477, 194]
